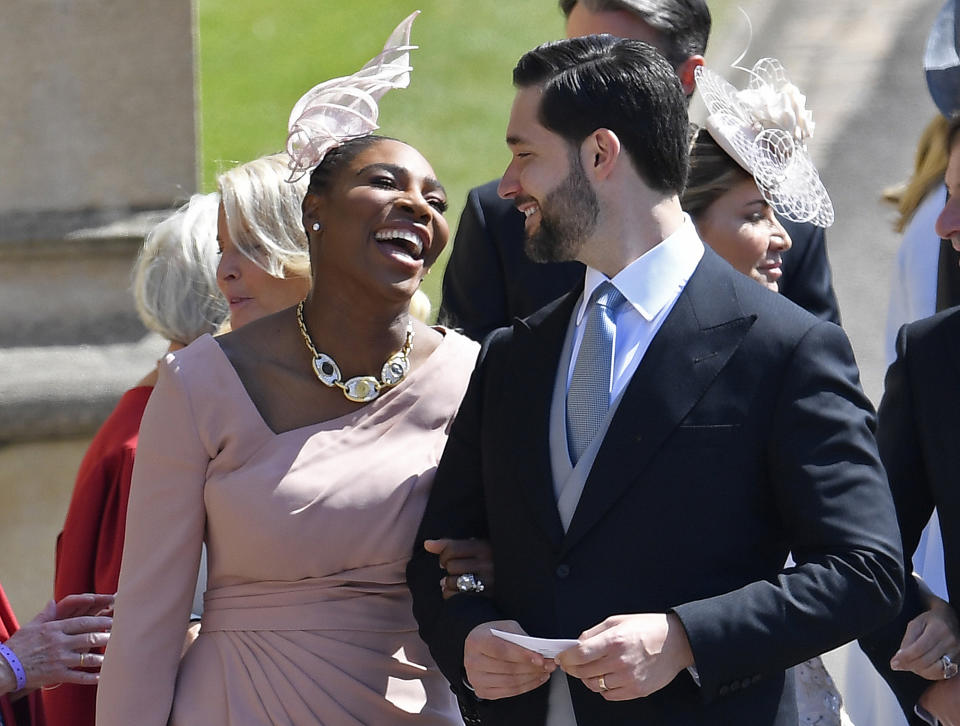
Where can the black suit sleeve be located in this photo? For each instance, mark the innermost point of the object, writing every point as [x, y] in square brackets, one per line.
[455, 509]
[807, 278]
[835, 508]
[474, 283]
[898, 436]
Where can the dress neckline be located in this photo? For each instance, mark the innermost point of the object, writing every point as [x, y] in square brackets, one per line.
[398, 393]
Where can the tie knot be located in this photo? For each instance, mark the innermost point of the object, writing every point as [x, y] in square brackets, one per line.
[608, 296]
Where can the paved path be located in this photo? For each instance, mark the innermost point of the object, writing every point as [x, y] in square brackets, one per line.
[860, 64]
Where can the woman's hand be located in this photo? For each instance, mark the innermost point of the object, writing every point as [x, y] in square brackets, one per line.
[55, 647]
[929, 637]
[463, 557]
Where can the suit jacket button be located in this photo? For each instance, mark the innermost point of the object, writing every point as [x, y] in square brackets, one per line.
[724, 690]
[563, 571]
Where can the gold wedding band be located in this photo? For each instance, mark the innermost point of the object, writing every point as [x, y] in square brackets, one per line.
[602, 683]
[81, 659]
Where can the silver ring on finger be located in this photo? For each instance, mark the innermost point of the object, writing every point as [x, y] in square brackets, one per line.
[470, 582]
[603, 684]
[950, 669]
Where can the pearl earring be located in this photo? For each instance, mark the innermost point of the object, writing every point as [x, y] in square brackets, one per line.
[316, 227]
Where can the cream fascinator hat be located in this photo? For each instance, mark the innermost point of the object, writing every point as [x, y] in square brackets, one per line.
[346, 108]
[764, 128]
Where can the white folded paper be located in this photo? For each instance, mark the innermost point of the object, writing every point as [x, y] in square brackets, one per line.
[547, 647]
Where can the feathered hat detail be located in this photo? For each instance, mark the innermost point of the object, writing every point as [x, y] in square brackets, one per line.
[765, 128]
[346, 108]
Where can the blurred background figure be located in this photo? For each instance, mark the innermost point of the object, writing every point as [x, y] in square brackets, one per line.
[922, 282]
[926, 276]
[264, 263]
[918, 421]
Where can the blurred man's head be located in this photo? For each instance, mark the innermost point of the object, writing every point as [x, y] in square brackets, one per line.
[679, 29]
[948, 223]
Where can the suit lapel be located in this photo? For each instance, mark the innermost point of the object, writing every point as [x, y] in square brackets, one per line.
[695, 342]
[539, 340]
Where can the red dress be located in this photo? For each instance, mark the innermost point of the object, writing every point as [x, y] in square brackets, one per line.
[25, 711]
[91, 543]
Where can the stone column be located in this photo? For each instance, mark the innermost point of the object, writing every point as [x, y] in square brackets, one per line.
[98, 138]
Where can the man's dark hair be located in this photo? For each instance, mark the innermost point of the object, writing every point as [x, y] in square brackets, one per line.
[684, 24]
[625, 86]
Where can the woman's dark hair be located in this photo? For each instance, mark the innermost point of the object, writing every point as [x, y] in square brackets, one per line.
[338, 157]
[712, 173]
[625, 86]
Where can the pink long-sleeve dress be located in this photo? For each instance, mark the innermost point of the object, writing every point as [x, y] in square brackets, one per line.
[307, 615]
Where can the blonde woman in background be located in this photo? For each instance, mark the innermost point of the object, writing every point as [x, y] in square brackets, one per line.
[913, 282]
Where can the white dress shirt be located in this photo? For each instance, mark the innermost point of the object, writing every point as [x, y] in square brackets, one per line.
[651, 284]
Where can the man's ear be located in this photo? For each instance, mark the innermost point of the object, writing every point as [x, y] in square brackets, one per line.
[599, 153]
[685, 72]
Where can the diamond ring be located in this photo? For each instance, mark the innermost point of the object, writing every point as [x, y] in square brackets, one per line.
[950, 668]
[471, 583]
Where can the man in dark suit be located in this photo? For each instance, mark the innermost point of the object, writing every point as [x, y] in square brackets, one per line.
[917, 436]
[489, 280]
[643, 453]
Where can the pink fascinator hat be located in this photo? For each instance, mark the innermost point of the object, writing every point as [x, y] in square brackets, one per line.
[346, 108]
[764, 128]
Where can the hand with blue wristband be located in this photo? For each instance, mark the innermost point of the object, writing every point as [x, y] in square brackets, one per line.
[60, 645]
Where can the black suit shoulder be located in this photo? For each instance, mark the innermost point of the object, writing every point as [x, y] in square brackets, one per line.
[920, 404]
[922, 334]
[807, 278]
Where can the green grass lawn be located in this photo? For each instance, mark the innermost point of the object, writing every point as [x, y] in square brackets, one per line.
[256, 58]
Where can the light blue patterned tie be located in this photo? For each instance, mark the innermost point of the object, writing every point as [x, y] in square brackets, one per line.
[589, 396]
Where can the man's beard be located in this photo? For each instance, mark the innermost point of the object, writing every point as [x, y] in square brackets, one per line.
[568, 215]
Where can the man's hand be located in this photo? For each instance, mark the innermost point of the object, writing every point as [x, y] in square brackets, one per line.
[927, 637]
[635, 655]
[497, 668]
[461, 557]
[942, 700]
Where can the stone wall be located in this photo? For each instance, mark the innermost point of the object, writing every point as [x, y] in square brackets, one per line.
[97, 140]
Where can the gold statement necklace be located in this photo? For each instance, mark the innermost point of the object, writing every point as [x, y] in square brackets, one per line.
[359, 389]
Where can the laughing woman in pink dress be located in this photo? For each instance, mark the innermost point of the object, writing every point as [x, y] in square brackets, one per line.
[301, 448]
